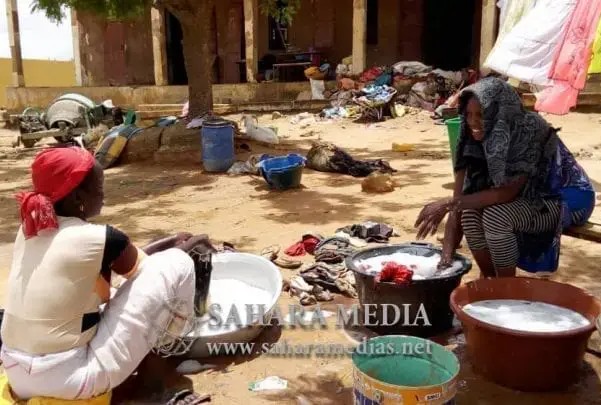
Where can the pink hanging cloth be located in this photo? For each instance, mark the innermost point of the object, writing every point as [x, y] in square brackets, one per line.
[572, 60]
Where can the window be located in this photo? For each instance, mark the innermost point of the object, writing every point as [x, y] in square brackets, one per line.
[372, 22]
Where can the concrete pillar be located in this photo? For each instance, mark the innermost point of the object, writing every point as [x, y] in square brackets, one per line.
[251, 37]
[359, 36]
[76, 32]
[159, 47]
[14, 38]
[488, 29]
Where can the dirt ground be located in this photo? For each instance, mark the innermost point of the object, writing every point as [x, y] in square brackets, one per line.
[147, 201]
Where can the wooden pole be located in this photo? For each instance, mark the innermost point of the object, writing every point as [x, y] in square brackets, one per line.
[359, 36]
[159, 46]
[14, 38]
[488, 30]
[251, 21]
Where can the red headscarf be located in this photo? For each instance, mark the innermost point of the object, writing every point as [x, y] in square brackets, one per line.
[55, 172]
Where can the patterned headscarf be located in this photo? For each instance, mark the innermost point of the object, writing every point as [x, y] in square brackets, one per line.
[516, 142]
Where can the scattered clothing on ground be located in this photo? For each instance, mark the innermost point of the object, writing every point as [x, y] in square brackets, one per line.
[307, 244]
[333, 250]
[370, 231]
[327, 157]
[333, 278]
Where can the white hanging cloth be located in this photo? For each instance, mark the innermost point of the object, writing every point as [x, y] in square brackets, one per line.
[526, 52]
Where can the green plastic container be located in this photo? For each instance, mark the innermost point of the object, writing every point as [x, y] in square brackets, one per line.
[404, 369]
[454, 130]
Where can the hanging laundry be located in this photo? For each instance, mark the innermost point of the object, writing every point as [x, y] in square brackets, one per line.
[526, 52]
[511, 13]
[502, 5]
[595, 66]
[571, 61]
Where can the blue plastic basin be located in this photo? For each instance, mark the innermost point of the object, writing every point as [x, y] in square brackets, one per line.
[283, 172]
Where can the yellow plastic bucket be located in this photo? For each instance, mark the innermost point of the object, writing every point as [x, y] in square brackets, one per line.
[404, 370]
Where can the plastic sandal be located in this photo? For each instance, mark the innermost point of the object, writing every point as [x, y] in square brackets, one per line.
[188, 397]
[271, 252]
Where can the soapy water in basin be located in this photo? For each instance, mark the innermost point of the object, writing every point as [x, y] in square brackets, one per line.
[229, 294]
[526, 316]
[423, 267]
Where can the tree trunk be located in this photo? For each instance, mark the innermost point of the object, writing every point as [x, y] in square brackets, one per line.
[198, 54]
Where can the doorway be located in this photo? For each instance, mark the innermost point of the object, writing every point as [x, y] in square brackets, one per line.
[115, 66]
[176, 65]
[448, 34]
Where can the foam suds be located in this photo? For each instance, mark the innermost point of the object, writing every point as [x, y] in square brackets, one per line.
[423, 267]
[229, 294]
[526, 316]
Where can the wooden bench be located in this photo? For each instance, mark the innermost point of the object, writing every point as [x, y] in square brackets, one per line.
[590, 232]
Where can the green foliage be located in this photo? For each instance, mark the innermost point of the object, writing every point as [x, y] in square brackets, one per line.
[282, 11]
[112, 9]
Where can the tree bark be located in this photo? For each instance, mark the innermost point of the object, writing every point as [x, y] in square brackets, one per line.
[198, 53]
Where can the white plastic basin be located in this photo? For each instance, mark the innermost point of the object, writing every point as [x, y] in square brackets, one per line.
[237, 280]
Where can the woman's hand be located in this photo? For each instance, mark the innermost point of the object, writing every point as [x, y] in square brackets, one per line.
[166, 243]
[446, 260]
[181, 237]
[197, 241]
[431, 216]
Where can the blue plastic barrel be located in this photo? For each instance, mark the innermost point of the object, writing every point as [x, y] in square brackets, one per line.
[217, 140]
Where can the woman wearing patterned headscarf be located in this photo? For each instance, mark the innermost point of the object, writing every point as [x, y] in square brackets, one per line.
[57, 341]
[517, 187]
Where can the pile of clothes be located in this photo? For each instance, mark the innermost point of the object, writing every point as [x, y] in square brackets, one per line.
[415, 85]
[373, 95]
[328, 274]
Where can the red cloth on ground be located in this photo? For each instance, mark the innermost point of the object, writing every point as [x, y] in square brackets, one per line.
[298, 249]
[55, 172]
[307, 245]
[396, 273]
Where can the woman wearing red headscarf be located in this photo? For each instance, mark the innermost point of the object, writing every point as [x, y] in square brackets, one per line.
[56, 341]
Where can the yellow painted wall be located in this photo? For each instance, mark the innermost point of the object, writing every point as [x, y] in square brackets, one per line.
[41, 73]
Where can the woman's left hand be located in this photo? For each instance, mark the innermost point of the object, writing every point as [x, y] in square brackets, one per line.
[431, 216]
[181, 237]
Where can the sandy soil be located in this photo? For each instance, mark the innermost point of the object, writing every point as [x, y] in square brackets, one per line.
[149, 201]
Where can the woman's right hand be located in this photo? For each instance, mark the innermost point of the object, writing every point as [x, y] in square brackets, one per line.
[431, 216]
[446, 260]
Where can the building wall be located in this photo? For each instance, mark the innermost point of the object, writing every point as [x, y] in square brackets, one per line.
[327, 25]
[115, 53]
[37, 73]
[322, 24]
